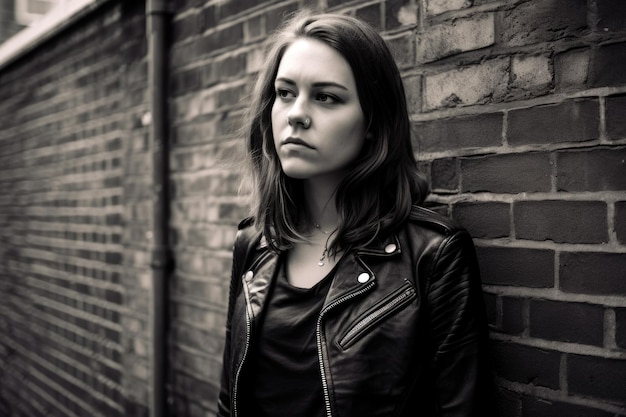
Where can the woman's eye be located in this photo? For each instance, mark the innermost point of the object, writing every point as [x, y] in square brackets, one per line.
[325, 98]
[283, 93]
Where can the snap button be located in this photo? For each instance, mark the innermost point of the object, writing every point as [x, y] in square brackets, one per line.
[390, 248]
[363, 277]
[248, 276]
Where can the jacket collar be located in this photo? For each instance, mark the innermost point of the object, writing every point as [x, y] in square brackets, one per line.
[353, 275]
[385, 247]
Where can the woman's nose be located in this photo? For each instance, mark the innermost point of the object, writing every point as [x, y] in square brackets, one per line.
[297, 115]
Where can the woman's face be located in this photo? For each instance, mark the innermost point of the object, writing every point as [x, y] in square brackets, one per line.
[317, 120]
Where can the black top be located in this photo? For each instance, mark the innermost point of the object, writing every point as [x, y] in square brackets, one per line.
[285, 378]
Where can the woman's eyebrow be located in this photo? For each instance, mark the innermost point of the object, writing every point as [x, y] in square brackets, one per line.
[315, 84]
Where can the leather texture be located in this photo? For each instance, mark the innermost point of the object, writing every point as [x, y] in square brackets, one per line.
[403, 330]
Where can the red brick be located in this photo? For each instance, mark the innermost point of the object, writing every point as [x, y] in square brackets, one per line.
[229, 8]
[229, 126]
[541, 407]
[232, 212]
[442, 209]
[615, 120]
[597, 169]
[508, 403]
[181, 5]
[567, 322]
[194, 133]
[455, 36]
[620, 221]
[571, 69]
[531, 76]
[254, 28]
[485, 220]
[607, 65]
[311, 4]
[553, 220]
[400, 13]
[207, 19]
[491, 307]
[601, 378]
[335, 3]
[534, 22]
[71, 107]
[620, 327]
[527, 365]
[402, 48]
[611, 15]
[227, 37]
[196, 389]
[186, 28]
[458, 133]
[371, 14]
[210, 74]
[512, 316]
[512, 173]
[232, 66]
[445, 174]
[413, 91]
[595, 273]
[186, 81]
[570, 121]
[436, 7]
[516, 266]
[275, 17]
[197, 338]
[469, 85]
[231, 96]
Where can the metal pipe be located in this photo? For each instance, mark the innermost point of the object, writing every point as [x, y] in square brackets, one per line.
[157, 13]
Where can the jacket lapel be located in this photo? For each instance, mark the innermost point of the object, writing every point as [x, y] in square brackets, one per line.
[258, 280]
[354, 274]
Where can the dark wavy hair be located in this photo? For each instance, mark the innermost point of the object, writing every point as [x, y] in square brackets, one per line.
[383, 182]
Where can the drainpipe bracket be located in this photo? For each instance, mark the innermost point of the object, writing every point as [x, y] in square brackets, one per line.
[159, 7]
[161, 258]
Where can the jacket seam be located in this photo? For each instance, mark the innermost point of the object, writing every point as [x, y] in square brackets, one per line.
[445, 244]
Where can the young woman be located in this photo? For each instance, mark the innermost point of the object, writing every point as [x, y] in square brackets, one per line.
[347, 297]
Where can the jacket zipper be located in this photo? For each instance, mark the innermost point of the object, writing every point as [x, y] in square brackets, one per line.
[321, 346]
[388, 308]
[245, 350]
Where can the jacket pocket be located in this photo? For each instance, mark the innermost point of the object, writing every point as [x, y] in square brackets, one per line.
[383, 309]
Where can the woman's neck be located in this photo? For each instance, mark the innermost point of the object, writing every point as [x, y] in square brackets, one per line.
[320, 198]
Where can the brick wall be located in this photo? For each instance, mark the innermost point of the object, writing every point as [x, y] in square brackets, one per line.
[518, 120]
[517, 109]
[73, 316]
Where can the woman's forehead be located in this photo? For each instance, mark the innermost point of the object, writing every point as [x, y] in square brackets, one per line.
[311, 60]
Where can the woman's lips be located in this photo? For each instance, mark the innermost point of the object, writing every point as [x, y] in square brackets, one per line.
[296, 141]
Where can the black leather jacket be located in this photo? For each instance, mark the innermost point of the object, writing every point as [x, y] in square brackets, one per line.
[402, 332]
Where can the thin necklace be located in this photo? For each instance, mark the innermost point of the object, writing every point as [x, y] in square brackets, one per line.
[318, 227]
[321, 263]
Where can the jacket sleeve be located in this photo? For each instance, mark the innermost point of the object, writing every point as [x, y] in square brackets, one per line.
[459, 331]
[240, 254]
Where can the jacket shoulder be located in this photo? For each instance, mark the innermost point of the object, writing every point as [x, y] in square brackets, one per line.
[247, 235]
[245, 241]
[245, 223]
[433, 220]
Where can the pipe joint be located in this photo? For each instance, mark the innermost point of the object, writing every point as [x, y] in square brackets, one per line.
[161, 258]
